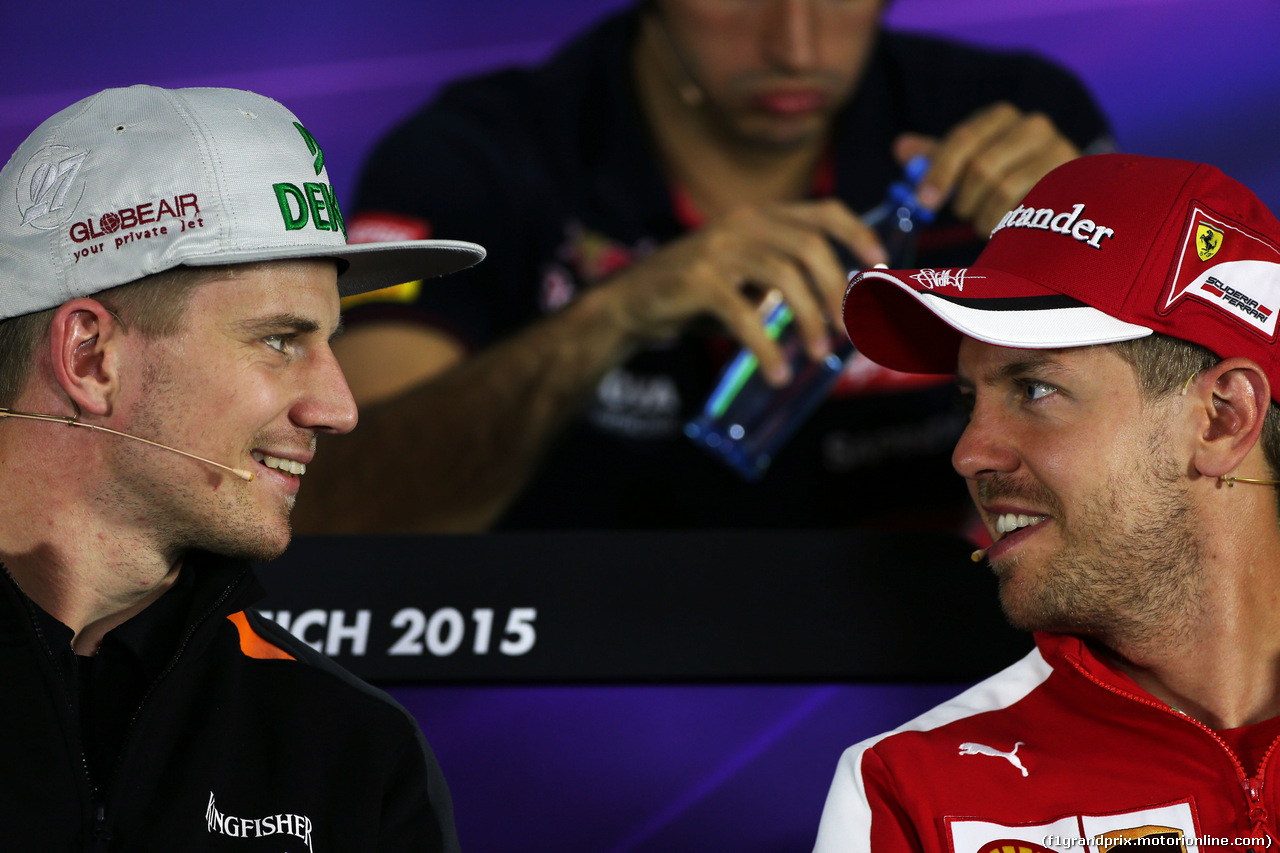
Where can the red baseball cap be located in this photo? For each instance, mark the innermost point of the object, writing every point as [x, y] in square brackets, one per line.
[1103, 249]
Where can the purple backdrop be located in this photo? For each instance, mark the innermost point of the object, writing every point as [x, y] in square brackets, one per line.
[652, 768]
[1178, 77]
[638, 768]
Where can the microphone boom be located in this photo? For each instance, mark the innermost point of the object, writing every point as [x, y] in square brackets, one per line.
[70, 420]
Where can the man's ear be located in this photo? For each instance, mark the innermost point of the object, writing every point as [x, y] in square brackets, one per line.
[1234, 396]
[84, 342]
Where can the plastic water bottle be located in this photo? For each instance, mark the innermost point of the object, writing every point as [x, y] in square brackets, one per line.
[746, 421]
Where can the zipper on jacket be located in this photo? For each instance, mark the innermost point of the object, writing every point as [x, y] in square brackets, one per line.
[100, 835]
[1259, 820]
[72, 697]
[100, 840]
[126, 740]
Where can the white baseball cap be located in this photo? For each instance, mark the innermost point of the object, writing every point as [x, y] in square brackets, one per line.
[131, 182]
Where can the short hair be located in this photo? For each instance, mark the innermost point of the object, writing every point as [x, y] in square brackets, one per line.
[154, 306]
[1164, 364]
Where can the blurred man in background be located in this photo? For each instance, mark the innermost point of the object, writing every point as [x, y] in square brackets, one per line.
[638, 193]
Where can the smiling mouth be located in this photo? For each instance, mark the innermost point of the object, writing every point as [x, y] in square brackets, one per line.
[284, 466]
[1009, 522]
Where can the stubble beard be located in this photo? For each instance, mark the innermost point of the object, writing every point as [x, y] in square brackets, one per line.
[186, 510]
[1127, 572]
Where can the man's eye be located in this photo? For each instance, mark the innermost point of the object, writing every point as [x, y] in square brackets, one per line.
[1037, 390]
[277, 342]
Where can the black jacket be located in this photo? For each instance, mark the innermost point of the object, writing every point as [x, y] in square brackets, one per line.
[553, 171]
[243, 739]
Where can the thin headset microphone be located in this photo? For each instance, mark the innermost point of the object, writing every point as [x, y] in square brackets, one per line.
[71, 420]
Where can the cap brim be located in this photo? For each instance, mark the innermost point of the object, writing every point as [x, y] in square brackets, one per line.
[913, 320]
[368, 266]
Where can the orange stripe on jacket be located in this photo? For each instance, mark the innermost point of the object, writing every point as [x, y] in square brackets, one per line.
[253, 645]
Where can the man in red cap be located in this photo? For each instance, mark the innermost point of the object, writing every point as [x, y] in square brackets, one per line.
[1115, 345]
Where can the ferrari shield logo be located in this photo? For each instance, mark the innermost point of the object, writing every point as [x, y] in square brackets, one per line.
[1208, 241]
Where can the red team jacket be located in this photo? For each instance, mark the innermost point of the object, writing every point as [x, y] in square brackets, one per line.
[1057, 752]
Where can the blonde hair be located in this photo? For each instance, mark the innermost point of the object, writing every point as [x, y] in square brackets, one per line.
[1163, 365]
[155, 306]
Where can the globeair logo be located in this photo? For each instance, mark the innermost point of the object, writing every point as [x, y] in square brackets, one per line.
[296, 825]
[314, 202]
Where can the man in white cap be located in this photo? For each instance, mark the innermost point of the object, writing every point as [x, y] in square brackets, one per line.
[170, 269]
[1115, 344]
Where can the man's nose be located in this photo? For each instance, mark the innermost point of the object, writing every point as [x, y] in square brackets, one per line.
[985, 447]
[791, 34]
[326, 404]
